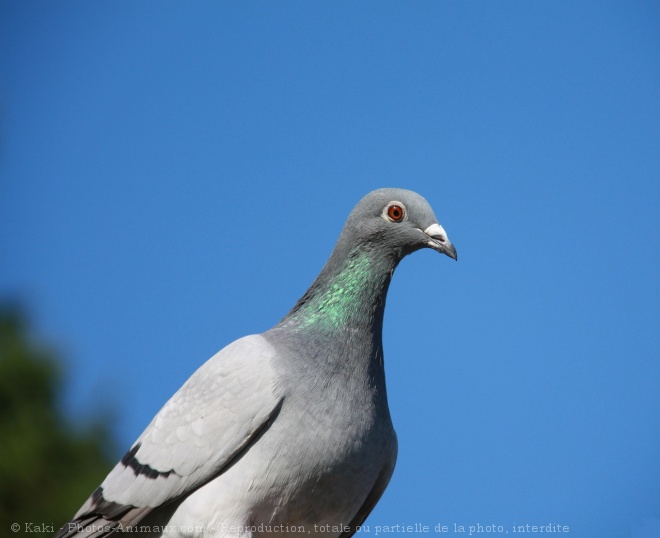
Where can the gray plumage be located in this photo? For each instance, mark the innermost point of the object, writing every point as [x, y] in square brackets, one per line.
[287, 431]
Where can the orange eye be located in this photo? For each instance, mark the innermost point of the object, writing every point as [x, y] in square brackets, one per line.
[395, 213]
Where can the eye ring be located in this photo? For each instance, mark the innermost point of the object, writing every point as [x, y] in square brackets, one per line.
[395, 212]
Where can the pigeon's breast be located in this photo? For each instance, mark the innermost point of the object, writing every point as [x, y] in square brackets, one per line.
[323, 470]
[317, 461]
[310, 471]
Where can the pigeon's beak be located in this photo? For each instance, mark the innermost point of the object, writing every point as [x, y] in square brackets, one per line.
[437, 240]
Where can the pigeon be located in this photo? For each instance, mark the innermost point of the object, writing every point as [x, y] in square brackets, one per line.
[286, 432]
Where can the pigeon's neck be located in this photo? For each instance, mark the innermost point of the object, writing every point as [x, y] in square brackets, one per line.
[346, 296]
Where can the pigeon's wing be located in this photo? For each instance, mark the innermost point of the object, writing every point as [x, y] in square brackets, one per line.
[374, 495]
[217, 413]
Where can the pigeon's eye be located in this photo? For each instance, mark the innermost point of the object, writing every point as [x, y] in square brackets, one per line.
[395, 213]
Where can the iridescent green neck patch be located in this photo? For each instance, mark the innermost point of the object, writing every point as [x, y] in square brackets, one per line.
[340, 300]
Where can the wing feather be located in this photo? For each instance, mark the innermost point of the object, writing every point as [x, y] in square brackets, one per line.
[215, 415]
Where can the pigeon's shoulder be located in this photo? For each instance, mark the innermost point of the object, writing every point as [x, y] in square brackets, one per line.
[216, 414]
[224, 401]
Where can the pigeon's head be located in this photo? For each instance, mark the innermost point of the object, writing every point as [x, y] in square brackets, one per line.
[399, 221]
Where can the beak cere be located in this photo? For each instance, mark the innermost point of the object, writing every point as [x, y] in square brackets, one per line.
[439, 241]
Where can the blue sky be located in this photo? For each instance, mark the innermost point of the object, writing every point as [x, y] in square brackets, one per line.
[174, 175]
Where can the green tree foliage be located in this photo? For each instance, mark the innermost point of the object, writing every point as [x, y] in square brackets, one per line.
[47, 467]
